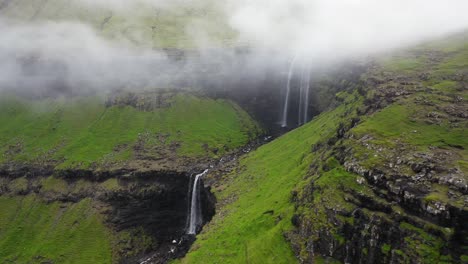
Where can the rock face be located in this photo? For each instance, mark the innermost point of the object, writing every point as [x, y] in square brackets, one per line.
[151, 206]
[388, 187]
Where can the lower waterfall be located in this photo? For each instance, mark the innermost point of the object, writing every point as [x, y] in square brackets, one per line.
[195, 214]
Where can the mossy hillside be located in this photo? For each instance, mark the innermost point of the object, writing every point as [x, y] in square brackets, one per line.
[32, 231]
[439, 58]
[342, 193]
[426, 246]
[79, 132]
[404, 63]
[331, 195]
[427, 123]
[251, 227]
[413, 121]
[399, 121]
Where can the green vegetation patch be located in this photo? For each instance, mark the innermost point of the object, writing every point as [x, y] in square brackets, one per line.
[386, 249]
[81, 132]
[32, 231]
[422, 245]
[403, 64]
[19, 185]
[400, 121]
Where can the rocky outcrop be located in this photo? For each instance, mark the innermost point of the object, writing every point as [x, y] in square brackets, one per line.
[152, 205]
[396, 201]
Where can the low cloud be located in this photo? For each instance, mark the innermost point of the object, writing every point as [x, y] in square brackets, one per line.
[70, 55]
[122, 5]
[73, 57]
[343, 28]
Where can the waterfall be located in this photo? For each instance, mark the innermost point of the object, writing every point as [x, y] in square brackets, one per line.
[195, 215]
[284, 120]
[306, 91]
[302, 113]
[301, 99]
[304, 87]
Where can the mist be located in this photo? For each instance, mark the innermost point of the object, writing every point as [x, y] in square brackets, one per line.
[69, 54]
[125, 5]
[341, 28]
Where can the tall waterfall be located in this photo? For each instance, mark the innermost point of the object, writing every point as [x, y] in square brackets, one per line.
[284, 120]
[195, 215]
[304, 90]
[304, 96]
[301, 99]
[306, 105]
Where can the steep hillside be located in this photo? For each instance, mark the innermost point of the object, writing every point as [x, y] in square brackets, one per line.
[101, 180]
[33, 231]
[380, 179]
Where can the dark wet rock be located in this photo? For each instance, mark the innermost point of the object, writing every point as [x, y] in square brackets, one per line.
[144, 101]
[457, 110]
[456, 181]
[417, 201]
[154, 202]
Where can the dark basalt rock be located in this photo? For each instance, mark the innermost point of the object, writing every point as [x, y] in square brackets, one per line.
[400, 218]
[154, 204]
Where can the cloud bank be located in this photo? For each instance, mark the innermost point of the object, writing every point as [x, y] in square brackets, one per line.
[71, 55]
[66, 55]
[339, 28]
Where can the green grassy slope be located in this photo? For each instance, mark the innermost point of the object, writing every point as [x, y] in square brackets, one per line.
[433, 114]
[83, 132]
[172, 26]
[32, 231]
[250, 228]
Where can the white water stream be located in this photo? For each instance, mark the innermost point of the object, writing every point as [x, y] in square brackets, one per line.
[304, 87]
[304, 96]
[195, 215]
[284, 119]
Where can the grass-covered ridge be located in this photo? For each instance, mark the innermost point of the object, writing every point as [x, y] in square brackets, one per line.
[432, 115]
[84, 132]
[32, 231]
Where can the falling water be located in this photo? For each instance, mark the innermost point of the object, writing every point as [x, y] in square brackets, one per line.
[195, 219]
[284, 120]
[301, 99]
[302, 113]
[306, 91]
